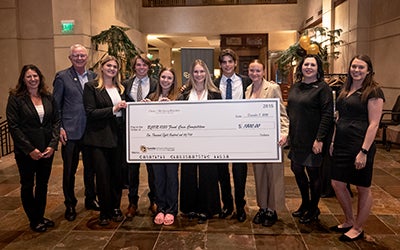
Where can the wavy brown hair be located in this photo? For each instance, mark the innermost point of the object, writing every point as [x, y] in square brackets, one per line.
[21, 88]
[369, 85]
[174, 90]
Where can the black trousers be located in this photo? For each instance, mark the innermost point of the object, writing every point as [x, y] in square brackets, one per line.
[34, 179]
[132, 171]
[70, 155]
[166, 186]
[199, 188]
[108, 167]
[239, 171]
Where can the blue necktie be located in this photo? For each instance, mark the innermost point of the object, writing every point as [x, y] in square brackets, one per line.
[228, 89]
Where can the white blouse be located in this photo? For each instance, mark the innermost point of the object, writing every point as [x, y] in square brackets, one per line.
[40, 111]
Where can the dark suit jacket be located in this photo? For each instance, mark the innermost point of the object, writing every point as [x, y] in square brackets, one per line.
[68, 94]
[25, 127]
[103, 126]
[128, 87]
[246, 81]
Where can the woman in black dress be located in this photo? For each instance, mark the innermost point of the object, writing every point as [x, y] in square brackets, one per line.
[310, 107]
[199, 181]
[360, 106]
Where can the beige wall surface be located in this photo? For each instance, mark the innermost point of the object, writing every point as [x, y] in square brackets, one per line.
[26, 37]
[384, 45]
[92, 17]
[222, 19]
[372, 27]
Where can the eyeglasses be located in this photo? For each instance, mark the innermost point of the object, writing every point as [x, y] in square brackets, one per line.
[79, 56]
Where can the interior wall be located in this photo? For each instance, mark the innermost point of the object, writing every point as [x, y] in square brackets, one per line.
[26, 37]
[9, 69]
[91, 17]
[371, 27]
[248, 19]
[384, 42]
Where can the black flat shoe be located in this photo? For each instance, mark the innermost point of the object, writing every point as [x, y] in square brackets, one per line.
[202, 219]
[70, 213]
[340, 229]
[225, 213]
[104, 221]
[346, 238]
[48, 223]
[92, 205]
[310, 216]
[192, 215]
[241, 215]
[117, 215]
[300, 212]
[40, 227]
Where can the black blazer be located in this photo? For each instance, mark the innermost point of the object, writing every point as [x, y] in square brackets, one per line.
[211, 95]
[25, 127]
[102, 127]
[246, 81]
[128, 87]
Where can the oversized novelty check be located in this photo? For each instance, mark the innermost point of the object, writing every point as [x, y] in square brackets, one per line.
[210, 131]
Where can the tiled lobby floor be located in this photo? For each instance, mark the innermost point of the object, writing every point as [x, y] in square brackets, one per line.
[382, 230]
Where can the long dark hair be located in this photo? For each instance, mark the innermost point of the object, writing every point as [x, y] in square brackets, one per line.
[369, 85]
[173, 92]
[320, 70]
[21, 88]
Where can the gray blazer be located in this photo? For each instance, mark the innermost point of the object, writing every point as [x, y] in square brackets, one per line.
[68, 94]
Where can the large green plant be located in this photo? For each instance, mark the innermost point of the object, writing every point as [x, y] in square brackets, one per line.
[329, 40]
[120, 46]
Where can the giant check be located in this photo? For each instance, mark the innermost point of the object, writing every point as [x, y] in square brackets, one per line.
[210, 131]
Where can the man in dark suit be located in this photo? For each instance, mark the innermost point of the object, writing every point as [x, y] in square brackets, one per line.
[232, 86]
[68, 90]
[137, 88]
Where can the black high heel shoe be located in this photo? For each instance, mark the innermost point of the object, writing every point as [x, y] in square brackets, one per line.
[310, 216]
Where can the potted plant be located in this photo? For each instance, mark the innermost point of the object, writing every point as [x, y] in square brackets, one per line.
[120, 46]
[307, 44]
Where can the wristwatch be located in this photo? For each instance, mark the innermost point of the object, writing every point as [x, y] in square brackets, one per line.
[364, 151]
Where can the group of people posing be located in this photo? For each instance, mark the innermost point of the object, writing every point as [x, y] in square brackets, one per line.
[86, 113]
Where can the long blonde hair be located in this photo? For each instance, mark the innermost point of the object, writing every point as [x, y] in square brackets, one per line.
[116, 80]
[209, 85]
